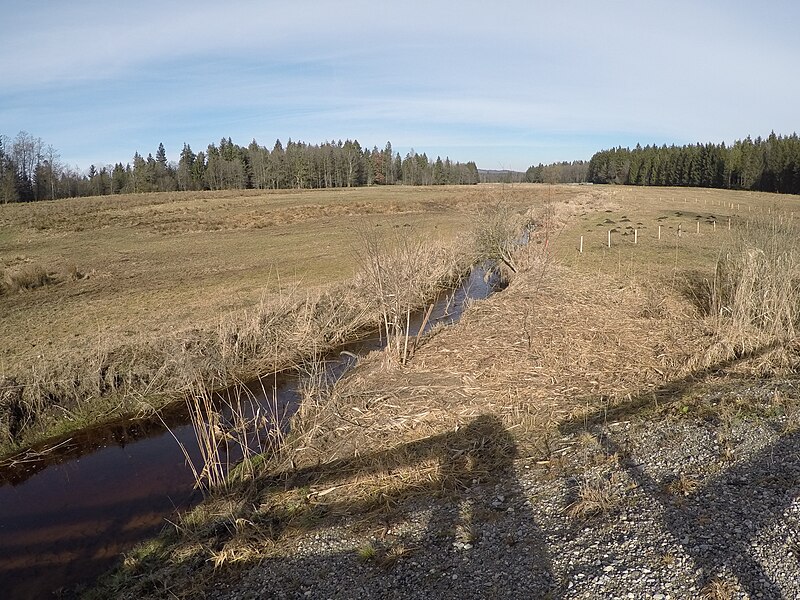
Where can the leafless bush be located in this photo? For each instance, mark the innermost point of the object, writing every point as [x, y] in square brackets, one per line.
[498, 234]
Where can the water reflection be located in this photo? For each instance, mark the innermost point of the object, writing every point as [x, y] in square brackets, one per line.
[67, 513]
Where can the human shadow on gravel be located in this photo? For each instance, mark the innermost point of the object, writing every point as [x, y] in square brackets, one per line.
[716, 523]
[480, 540]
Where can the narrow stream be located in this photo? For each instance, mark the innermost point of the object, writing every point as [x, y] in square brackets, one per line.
[67, 516]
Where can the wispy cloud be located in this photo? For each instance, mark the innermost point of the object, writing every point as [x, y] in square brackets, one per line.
[517, 82]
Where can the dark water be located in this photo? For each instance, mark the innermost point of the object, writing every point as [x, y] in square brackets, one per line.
[66, 517]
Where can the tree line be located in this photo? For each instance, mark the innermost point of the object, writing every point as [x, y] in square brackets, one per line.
[576, 171]
[30, 171]
[765, 165]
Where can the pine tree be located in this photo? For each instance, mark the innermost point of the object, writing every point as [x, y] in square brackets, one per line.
[185, 169]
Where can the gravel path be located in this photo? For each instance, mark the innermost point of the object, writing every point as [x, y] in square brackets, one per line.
[671, 509]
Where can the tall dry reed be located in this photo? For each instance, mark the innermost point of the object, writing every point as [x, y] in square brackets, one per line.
[755, 293]
[401, 275]
[233, 429]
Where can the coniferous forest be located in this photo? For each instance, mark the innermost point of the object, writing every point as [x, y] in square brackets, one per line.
[765, 165]
[30, 171]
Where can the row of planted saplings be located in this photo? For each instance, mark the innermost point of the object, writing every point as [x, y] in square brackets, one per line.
[636, 233]
[681, 231]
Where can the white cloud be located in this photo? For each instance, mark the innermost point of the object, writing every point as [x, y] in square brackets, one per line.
[500, 75]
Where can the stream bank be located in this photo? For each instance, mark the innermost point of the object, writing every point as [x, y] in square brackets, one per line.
[69, 513]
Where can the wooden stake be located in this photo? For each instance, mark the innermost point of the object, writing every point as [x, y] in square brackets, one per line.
[715, 225]
[580, 249]
[729, 223]
[698, 227]
[408, 329]
[635, 236]
[609, 238]
[659, 232]
[680, 230]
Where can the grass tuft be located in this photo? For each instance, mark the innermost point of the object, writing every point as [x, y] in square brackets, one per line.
[682, 485]
[718, 589]
[367, 552]
[595, 497]
[28, 277]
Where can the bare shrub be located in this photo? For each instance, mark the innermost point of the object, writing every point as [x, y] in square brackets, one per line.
[498, 233]
[28, 277]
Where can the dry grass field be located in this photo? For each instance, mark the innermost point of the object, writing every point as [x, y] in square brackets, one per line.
[95, 290]
[150, 264]
[645, 327]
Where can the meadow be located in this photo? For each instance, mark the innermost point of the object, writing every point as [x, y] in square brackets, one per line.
[691, 325]
[627, 303]
[115, 305]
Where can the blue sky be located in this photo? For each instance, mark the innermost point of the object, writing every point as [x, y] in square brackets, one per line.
[507, 84]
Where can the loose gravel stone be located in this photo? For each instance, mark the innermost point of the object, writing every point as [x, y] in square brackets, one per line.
[678, 514]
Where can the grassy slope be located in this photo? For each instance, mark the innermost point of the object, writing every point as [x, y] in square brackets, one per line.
[173, 261]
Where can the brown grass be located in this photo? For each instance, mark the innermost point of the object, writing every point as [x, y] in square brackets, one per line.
[28, 277]
[162, 307]
[572, 336]
[755, 293]
[594, 497]
[718, 589]
[682, 485]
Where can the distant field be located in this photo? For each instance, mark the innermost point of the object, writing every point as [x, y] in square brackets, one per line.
[642, 210]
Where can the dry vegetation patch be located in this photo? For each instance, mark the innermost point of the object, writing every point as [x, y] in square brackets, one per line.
[549, 348]
[573, 338]
[148, 312]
